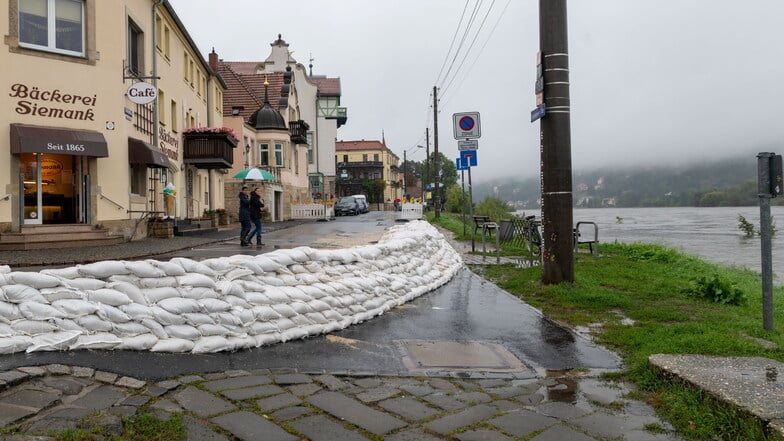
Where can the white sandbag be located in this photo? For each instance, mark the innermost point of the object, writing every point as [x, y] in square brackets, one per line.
[226, 287]
[284, 324]
[262, 328]
[318, 305]
[192, 266]
[284, 310]
[32, 327]
[179, 305]
[5, 269]
[66, 324]
[53, 341]
[112, 314]
[129, 329]
[294, 293]
[100, 340]
[137, 312]
[301, 320]
[198, 292]
[165, 317]
[333, 326]
[129, 289]
[39, 311]
[314, 267]
[214, 305]
[265, 313]
[6, 330]
[169, 268]
[288, 279]
[14, 344]
[267, 264]
[236, 302]
[62, 293]
[293, 334]
[281, 257]
[251, 285]
[102, 269]
[158, 282]
[238, 273]
[212, 329]
[219, 264]
[317, 317]
[250, 264]
[182, 331]
[196, 279]
[84, 283]
[22, 293]
[172, 345]
[143, 269]
[108, 296]
[155, 295]
[333, 302]
[266, 339]
[298, 269]
[33, 280]
[141, 342]
[241, 342]
[257, 299]
[62, 273]
[226, 319]
[209, 344]
[314, 329]
[155, 328]
[245, 316]
[197, 318]
[125, 278]
[368, 252]
[332, 315]
[307, 278]
[270, 281]
[93, 323]
[276, 294]
[301, 307]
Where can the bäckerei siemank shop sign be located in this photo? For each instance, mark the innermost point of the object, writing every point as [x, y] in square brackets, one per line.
[52, 103]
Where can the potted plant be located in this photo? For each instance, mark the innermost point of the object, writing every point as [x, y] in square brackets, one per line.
[160, 228]
[212, 215]
[223, 216]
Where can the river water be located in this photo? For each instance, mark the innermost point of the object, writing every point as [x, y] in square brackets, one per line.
[712, 233]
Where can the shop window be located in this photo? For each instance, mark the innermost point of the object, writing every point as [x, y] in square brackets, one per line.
[264, 154]
[135, 49]
[279, 155]
[138, 179]
[52, 25]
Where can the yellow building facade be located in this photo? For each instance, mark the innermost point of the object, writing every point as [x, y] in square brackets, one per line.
[99, 109]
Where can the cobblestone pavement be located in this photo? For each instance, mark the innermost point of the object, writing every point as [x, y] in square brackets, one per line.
[289, 405]
[344, 405]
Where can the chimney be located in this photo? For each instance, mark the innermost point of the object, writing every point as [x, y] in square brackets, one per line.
[214, 61]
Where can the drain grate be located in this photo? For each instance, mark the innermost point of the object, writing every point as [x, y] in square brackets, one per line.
[466, 356]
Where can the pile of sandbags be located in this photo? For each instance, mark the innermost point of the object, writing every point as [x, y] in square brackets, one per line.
[219, 304]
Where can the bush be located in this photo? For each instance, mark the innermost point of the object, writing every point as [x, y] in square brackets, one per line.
[496, 208]
[717, 289]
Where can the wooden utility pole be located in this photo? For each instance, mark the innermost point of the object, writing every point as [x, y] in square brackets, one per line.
[556, 148]
[436, 165]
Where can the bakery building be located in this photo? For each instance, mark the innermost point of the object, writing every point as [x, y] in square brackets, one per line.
[105, 105]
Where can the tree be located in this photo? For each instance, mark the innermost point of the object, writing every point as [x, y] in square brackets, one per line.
[455, 198]
[494, 207]
[375, 190]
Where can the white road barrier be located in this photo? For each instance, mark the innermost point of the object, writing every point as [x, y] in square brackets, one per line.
[220, 304]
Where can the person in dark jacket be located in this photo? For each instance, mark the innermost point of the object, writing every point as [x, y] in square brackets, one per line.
[256, 204]
[244, 215]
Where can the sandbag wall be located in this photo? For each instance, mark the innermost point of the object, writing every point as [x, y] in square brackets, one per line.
[219, 304]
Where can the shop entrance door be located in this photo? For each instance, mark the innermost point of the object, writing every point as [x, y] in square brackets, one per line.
[53, 188]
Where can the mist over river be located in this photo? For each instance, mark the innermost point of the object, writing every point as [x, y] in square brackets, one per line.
[710, 232]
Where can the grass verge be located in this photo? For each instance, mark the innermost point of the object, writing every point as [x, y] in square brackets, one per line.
[655, 287]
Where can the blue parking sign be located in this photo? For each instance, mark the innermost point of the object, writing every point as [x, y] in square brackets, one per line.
[469, 156]
[461, 164]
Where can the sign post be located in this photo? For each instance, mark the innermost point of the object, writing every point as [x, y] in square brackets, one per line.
[769, 185]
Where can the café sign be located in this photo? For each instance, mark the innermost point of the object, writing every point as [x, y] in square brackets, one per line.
[142, 93]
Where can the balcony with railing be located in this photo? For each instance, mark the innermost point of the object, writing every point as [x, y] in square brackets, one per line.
[361, 164]
[209, 150]
[299, 132]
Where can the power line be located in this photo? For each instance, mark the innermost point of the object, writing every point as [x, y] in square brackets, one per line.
[452, 44]
[479, 55]
[468, 51]
[462, 40]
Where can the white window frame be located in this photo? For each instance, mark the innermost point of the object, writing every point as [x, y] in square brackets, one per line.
[264, 154]
[278, 155]
[51, 24]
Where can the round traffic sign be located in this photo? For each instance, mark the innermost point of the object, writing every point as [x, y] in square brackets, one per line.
[466, 123]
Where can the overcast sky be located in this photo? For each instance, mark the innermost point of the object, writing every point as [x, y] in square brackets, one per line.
[652, 81]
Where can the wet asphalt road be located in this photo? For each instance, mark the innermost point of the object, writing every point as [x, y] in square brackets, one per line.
[467, 309]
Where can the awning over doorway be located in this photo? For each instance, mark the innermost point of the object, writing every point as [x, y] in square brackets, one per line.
[140, 152]
[27, 138]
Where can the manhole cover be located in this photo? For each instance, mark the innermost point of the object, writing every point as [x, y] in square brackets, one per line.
[474, 356]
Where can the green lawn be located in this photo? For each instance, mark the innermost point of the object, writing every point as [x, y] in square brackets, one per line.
[668, 295]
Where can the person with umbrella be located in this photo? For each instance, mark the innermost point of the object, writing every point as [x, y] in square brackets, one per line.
[244, 215]
[256, 204]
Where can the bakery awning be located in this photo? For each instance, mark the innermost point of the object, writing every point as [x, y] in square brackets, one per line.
[27, 138]
[140, 152]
